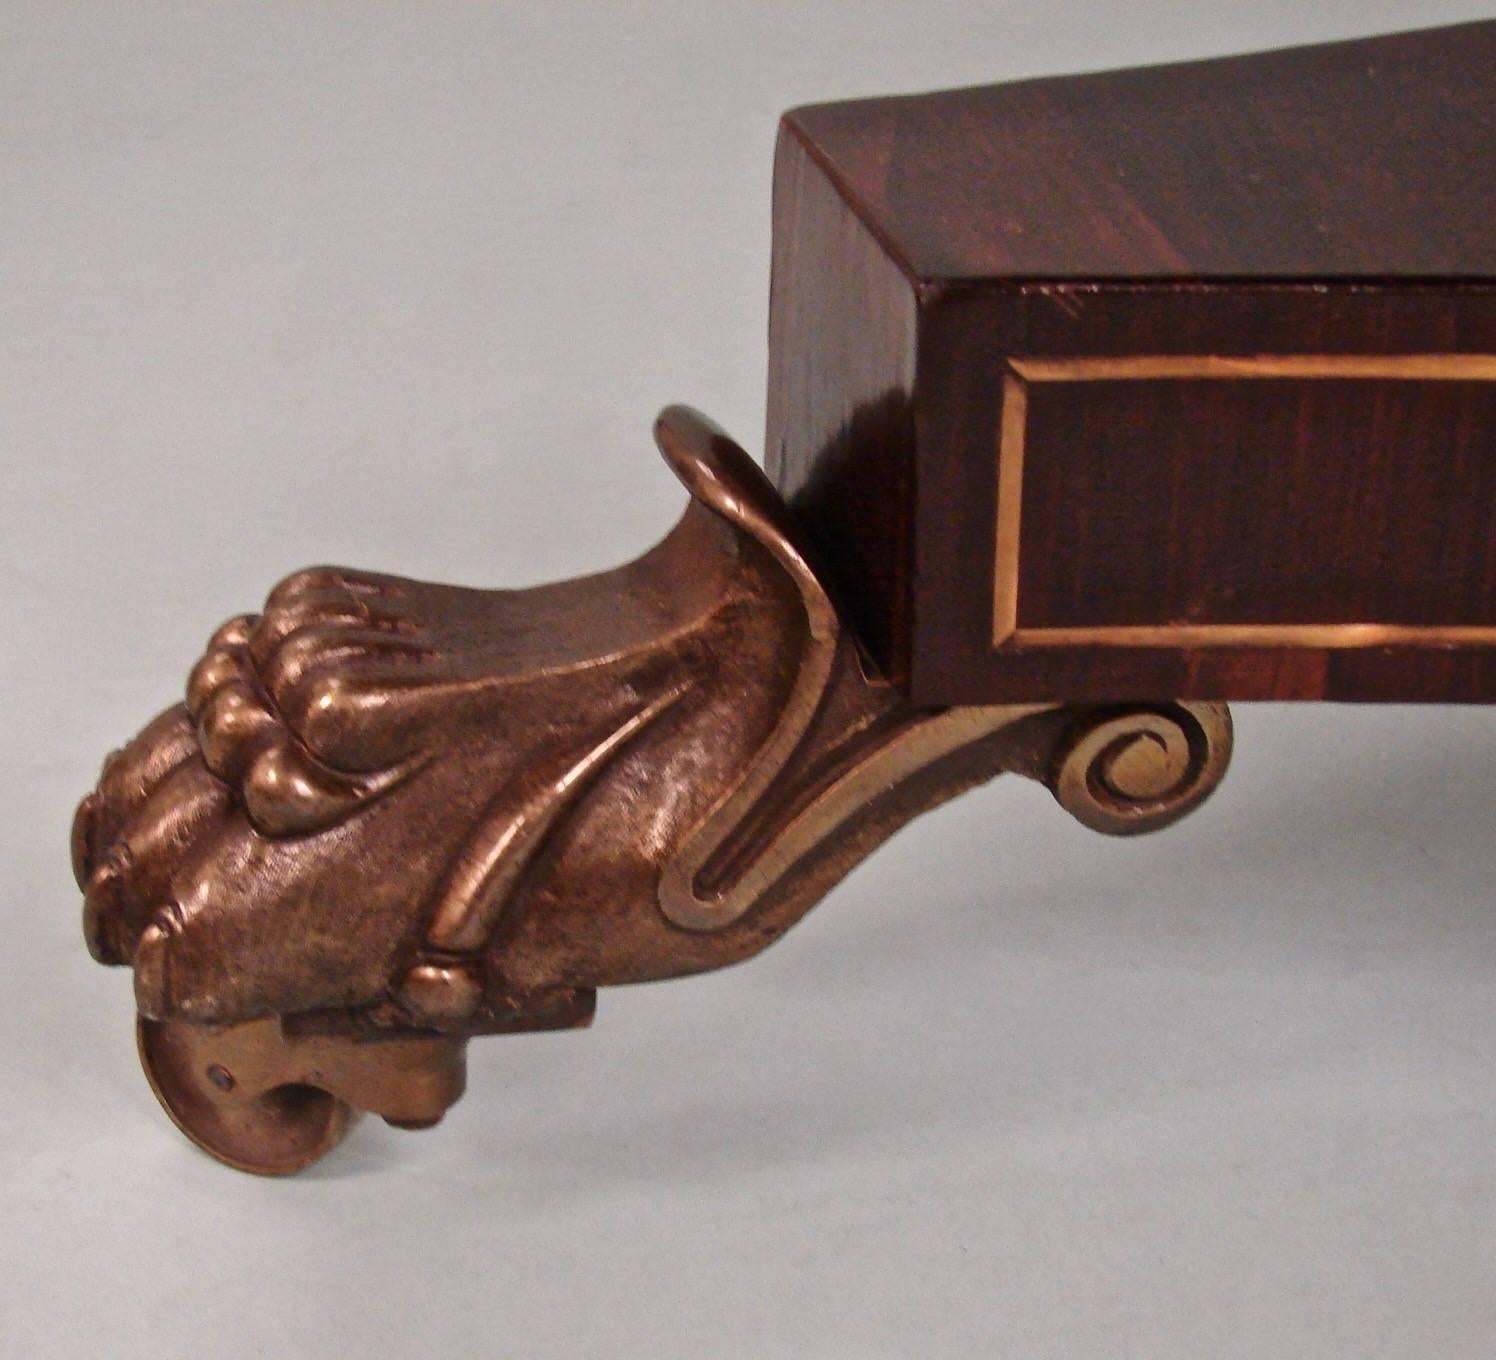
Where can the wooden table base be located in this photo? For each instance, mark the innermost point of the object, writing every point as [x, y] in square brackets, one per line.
[1074, 434]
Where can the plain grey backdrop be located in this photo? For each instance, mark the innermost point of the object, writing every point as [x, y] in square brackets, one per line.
[402, 285]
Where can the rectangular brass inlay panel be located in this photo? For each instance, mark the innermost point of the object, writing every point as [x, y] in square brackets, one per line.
[1012, 436]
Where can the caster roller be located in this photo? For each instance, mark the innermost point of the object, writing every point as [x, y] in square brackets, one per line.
[273, 1132]
[260, 1102]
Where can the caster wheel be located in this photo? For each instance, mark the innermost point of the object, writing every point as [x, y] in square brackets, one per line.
[273, 1132]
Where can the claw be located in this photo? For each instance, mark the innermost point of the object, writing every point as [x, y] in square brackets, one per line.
[286, 793]
[319, 645]
[300, 583]
[329, 605]
[234, 633]
[132, 775]
[332, 716]
[316, 609]
[103, 910]
[217, 667]
[137, 872]
[172, 818]
[152, 978]
[352, 719]
[82, 840]
[234, 722]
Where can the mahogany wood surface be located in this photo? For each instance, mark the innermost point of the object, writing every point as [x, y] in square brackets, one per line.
[1170, 382]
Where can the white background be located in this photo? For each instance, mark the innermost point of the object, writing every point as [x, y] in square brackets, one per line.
[402, 285]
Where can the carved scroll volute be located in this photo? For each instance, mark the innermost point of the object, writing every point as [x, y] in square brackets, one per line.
[444, 987]
[1118, 770]
[1127, 770]
[721, 475]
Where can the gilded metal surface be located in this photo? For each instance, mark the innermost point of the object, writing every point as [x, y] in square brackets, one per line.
[1012, 441]
[265, 1102]
[1141, 769]
[392, 815]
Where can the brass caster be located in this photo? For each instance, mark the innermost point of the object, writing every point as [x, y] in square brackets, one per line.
[395, 815]
[261, 1102]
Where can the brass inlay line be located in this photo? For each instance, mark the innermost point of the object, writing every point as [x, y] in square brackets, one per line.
[1009, 504]
[1412, 367]
[1011, 446]
[1328, 635]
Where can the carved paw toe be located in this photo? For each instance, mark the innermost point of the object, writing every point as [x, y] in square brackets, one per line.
[133, 845]
[128, 778]
[292, 724]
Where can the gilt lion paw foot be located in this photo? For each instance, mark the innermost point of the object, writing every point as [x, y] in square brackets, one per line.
[292, 719]
[224, 847]
[391, 815]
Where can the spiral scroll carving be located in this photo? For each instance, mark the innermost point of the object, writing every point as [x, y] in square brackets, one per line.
[1128, 770]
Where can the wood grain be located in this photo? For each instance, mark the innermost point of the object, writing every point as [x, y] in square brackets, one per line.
[1240, 167]
[1235, 323]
